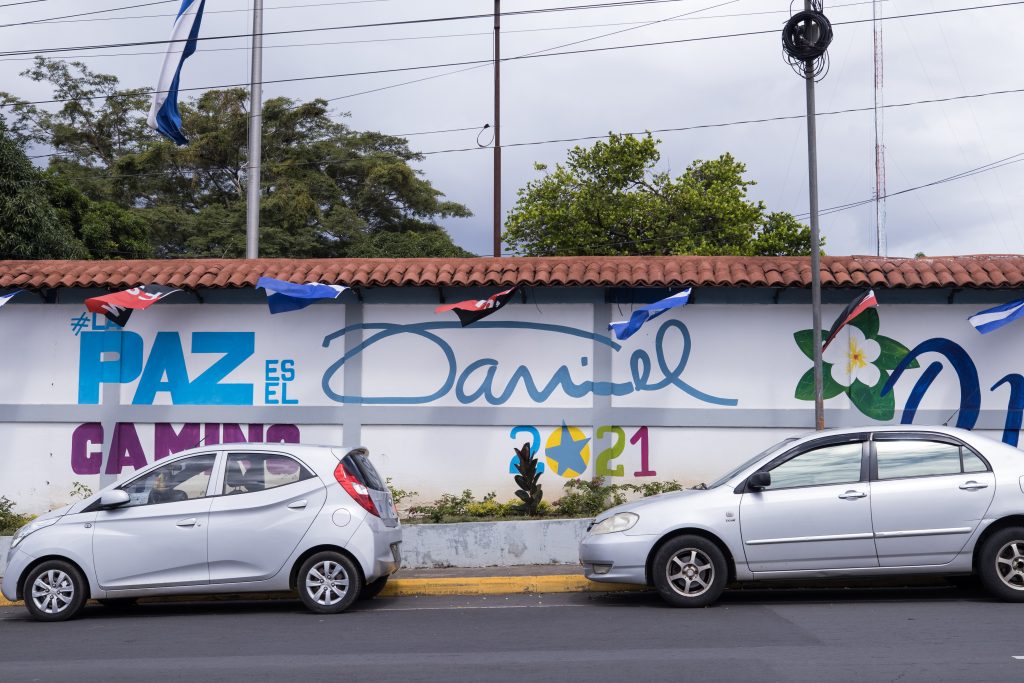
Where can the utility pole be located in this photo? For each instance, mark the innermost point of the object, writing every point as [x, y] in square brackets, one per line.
[497, 128]
[805, 40]
[880, 191]
[252, 207]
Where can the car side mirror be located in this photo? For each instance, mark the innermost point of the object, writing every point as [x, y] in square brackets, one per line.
[114, 498]
[759, 480]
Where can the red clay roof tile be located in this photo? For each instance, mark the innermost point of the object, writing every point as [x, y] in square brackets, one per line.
[981, 271]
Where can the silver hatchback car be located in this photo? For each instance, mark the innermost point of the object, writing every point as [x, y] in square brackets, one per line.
[846, 503]
[233, 518]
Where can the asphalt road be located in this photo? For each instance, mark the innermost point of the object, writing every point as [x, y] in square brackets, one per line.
[922, 634]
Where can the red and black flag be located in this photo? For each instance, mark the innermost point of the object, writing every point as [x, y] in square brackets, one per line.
[856, 307]
[118, 306]
[472, 310]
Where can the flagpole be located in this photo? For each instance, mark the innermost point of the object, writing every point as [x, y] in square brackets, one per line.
[252, 207]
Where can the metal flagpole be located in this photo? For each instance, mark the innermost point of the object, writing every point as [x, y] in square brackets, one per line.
[497, 128]
[252, 209]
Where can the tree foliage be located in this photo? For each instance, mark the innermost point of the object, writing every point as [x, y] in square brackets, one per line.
[608, 200]
[326, 190]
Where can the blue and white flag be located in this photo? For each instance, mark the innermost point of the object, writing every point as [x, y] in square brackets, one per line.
[994, 318]
[4, 298]
[627, 328]
[283, 297]
[163, 114]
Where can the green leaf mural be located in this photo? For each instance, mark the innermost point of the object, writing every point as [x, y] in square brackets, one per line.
[867, 399]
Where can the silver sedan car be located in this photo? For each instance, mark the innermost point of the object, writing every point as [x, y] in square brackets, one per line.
[233, 518]
[861, 503]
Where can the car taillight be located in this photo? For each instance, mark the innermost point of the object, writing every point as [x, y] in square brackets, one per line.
[359, 493]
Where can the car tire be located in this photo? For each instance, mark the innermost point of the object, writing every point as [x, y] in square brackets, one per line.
[329, 582]
[54, 591]
[1001, 564]
[689, 571]
[372, 589]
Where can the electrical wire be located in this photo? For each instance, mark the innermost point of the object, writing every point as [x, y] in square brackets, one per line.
[505, 59]
[83, 14]
[379, 24]
[504, 31]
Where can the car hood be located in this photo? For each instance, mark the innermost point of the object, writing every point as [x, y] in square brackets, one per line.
[59, 512]
[674, 497]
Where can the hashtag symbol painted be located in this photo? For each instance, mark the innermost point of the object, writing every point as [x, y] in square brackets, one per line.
[78, 324]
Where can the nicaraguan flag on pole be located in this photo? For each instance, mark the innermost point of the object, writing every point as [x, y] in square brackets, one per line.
[283, 297]
[4, 298]
[627, 328]
[163, 114]
[994, 318]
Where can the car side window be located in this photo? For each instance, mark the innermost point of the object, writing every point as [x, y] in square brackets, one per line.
[972, 463]
[176, 481]
[915, 458]
[251, 472]
[836, 464]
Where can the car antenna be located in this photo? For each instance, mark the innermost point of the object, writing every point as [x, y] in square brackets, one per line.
[200, 442]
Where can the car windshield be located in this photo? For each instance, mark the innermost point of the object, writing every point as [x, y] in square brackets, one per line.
[732, 473]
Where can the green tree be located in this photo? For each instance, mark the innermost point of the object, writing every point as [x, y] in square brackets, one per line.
[608, 200]
[326, 189]
[30, 227]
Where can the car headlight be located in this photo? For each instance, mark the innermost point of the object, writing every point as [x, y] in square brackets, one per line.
[31, 528]
[620, 521]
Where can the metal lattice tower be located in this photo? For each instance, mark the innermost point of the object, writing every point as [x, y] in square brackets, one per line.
[876, 16]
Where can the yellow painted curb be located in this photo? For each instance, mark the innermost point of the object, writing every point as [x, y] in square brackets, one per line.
[476, 585]
[500, 585]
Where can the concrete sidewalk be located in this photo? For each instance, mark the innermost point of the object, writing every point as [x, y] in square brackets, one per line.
[546, 578]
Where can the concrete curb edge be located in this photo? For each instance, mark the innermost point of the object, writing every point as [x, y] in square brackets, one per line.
[480, 585]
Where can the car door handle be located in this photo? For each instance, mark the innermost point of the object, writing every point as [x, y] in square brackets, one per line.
[972, 486]
[297, 505]
[191, 521]
[852, 495]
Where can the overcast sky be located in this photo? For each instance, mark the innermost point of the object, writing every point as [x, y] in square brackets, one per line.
[631, 90]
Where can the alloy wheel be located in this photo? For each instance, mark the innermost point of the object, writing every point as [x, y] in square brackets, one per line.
[53, 591]
[327, 583]
[1010, 564]
[690, 572]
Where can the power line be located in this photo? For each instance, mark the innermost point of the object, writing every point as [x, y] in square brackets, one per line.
[83, 14]
[380, 24]
[510, 59]
[62, 20]
[23, 2]
[573, 27]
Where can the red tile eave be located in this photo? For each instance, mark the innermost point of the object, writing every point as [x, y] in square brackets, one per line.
[978, 272]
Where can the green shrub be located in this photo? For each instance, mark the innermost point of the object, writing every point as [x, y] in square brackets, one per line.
[653, 488]
[447, 505]
[11, 521]
[397, 494]
[584, 498]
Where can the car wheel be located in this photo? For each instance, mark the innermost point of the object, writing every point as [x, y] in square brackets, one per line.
[329, 583]
[1001, 564]
[54, 591]
[118, 603]
[372, 589]
[689, 571]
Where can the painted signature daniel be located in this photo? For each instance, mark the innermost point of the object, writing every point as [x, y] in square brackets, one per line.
[477, 379]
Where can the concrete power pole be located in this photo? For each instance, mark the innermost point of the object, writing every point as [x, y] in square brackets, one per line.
[252, 207]
[497, 129]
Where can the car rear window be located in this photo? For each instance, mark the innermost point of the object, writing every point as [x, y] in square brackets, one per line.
[363, 470]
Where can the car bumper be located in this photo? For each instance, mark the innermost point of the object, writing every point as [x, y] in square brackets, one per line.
[17, 561]
[387, 552]
[616, 558]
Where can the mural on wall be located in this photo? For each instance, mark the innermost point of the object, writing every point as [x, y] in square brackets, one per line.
[743, 365]
[859, 368]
